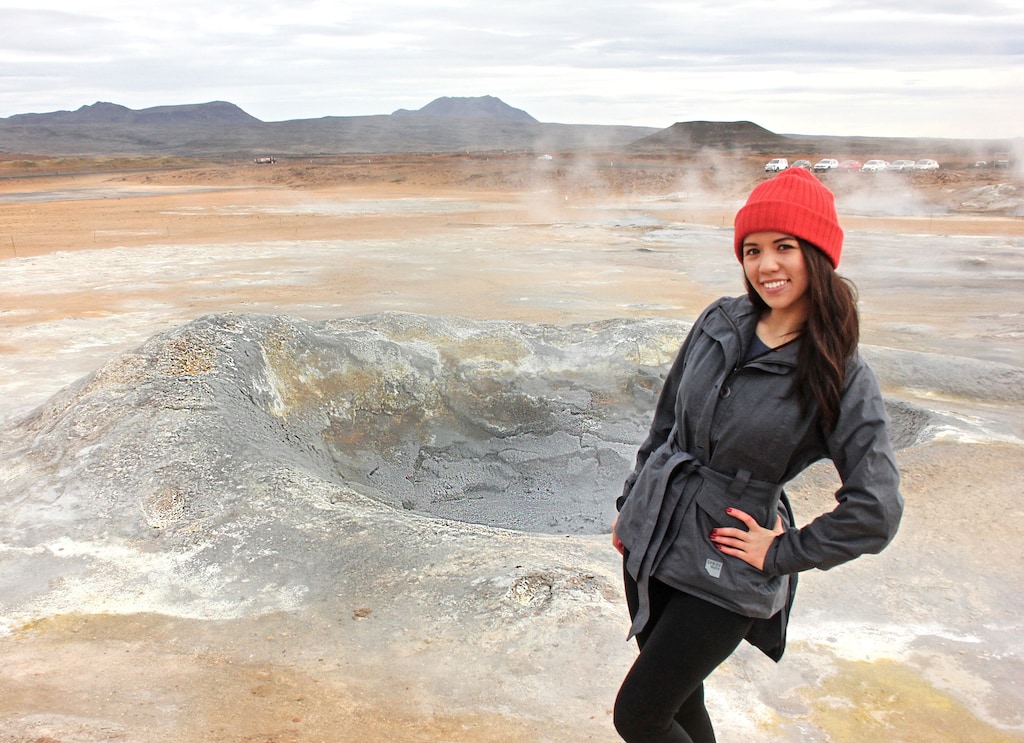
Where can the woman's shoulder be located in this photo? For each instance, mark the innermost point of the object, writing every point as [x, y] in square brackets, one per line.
[735, 307]
[739, 304]
[859, 377]
[726, 316]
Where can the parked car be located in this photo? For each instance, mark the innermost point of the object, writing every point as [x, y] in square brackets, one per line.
[828, 163]
[874, 166]
[926, 164]
[777, 164]
[805, 164]
[849, 165]
[901, 166]
[1001, 160]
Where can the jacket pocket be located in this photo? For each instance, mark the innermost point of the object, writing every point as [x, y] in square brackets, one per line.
[753, 591]
[714, 500]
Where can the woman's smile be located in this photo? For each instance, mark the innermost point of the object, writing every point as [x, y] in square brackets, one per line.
[775, 285]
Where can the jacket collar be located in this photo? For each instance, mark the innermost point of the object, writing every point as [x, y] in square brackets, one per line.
[733, 326]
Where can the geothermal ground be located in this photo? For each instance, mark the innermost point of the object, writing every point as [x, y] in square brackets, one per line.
[288, 595]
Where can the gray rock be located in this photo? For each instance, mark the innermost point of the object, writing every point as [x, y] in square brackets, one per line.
[955, 376]
[528, 427]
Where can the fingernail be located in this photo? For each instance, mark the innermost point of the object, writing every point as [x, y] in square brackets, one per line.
[728, 511]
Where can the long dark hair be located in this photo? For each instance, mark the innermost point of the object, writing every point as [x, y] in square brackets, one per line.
[830, 335]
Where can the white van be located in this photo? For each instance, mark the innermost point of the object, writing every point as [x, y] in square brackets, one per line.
[774, 166]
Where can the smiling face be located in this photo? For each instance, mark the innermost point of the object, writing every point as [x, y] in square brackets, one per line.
[774, 265]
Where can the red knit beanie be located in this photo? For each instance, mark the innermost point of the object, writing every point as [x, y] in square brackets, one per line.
[796, 203]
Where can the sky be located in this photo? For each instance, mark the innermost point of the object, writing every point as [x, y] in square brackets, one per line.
[933, 68]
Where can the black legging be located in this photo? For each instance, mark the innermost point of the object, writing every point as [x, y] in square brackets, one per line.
[662, 697]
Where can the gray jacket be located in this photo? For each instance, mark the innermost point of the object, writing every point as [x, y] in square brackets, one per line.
[728, 433]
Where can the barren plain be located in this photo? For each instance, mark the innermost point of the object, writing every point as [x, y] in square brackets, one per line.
[98, 256]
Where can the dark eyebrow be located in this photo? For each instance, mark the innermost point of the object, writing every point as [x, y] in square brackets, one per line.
[776, 241]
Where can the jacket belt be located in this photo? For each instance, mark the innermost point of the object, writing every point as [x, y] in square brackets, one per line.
[645, 554]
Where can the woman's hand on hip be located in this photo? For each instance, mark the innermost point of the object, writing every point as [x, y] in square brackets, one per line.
[751, 545]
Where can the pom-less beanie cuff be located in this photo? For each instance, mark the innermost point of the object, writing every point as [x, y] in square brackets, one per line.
[796, 203]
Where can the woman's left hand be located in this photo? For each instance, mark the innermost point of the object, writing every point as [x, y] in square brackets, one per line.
[752, 545]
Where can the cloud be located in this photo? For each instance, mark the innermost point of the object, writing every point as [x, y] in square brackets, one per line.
[941, 68]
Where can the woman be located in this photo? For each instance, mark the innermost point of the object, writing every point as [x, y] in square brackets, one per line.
[763, 386]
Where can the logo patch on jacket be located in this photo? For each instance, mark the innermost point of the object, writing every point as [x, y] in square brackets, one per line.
[714, 567]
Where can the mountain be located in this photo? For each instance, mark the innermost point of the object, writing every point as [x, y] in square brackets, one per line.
[97, 113]
[690, 134]
[484, 107]
[445, 125]
[216, 112]
[220, 129]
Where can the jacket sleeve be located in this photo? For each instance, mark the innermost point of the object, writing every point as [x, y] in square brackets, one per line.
[664, 412]
[869, 505]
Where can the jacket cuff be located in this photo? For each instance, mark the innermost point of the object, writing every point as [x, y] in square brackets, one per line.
[776, 554]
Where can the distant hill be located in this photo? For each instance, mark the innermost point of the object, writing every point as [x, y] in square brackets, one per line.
[220, 129]
[445, 125]
[718, 134]
[217, 112]
[484, 107]
[752, 139]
